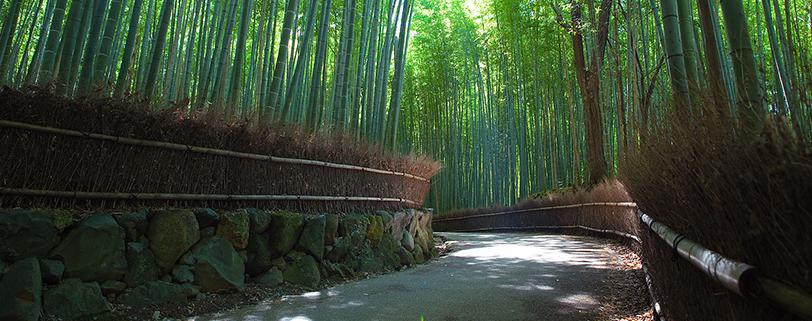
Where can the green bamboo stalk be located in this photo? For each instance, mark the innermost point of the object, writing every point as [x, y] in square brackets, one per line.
[103, 58]
[157, 53]
[46, 70]
[146, 44]
[689, 47]
[69, 44]
[39, 53]
[750, 98]
[316, 94]
[18, 79]
[124, 71]
[302, 61]
[6, 36]
[85, 85]
[397, 78]
[672, 42]
[281, 59]
[233, 95]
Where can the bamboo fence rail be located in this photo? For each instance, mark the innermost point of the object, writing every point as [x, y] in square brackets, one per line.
[202, 150]
[197, 197]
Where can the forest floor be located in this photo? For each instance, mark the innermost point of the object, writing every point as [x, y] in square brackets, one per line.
[486, 277]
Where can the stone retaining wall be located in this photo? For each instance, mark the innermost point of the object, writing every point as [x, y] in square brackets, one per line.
[72, 265]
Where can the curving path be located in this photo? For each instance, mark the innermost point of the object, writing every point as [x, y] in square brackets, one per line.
[488, 277]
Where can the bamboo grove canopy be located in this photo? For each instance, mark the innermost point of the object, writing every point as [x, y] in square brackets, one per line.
[514, 96]
[312, 61]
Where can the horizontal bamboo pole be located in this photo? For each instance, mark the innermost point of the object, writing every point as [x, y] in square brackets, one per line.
[201, 150]
[723, 270]
[198, 197]
[741, 278]
[549, 208]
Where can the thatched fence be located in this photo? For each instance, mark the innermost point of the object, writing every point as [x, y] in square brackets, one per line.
[106, 154]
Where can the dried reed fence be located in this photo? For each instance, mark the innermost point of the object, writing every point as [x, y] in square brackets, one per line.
[104, 153]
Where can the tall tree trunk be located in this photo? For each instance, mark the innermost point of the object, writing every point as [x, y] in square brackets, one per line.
[589, 83]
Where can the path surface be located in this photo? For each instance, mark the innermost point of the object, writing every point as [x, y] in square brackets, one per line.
[490, 277]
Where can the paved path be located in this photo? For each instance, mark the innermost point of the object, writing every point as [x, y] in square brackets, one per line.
[490, 277]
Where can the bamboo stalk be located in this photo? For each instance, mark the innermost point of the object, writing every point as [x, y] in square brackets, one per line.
[197, 197]
[201, 150]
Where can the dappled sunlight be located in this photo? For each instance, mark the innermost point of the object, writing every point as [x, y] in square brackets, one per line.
[527, 287]
[580, 301]
[535, 249]
[483, 279]
[297, 318]
[350, 304]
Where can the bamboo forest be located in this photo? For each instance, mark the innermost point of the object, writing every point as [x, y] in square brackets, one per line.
[491, 88]
[316, 142]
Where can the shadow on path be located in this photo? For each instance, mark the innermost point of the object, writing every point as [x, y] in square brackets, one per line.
[489, 277]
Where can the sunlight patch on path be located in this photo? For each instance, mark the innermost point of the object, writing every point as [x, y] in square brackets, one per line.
[489, 277]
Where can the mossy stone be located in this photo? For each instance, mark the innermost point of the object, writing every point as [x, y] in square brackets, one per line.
[26, 233]
[73, 299]
[234, 226]
[171, 233]
[312, 239]
[284, 231]
[94, 250]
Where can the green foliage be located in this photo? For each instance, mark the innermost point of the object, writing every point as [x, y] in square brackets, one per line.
[235, 57]
[491, 88]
